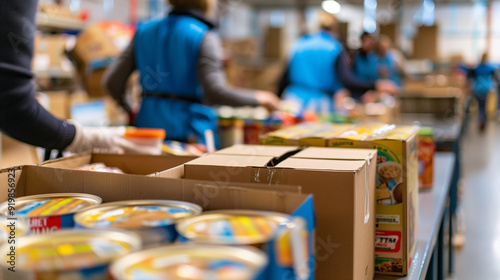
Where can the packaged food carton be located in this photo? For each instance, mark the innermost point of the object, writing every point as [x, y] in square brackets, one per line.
[396, 194]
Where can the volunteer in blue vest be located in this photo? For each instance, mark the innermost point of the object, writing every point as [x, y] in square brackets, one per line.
[21, 116]
[482, 81]
[319, 68]
[365, 60]
[387, 67]
[179, 59]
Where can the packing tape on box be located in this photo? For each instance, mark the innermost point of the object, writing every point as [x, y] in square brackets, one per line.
[367, 191]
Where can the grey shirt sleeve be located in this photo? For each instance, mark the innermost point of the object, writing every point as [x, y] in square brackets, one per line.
[213, 79]
[115, 79]
[210, 72]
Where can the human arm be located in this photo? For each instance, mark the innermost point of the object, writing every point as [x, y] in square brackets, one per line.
[21, 116]
[213, 80]
[115, 78]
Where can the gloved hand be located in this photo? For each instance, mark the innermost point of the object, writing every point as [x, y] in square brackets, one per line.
[105, 140]
[268, 99]
[386, 86]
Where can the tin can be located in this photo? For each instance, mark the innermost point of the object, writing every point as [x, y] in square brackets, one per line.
[185, 262]
[48, 212]
[426, 152]
[232, 227]
[153, 220]
[66, 254]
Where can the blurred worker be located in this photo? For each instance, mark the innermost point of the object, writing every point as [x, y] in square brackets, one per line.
[319, 67]
[179, 61]
[21, 116]
[482, 78]
[365, 60]
[387, 67]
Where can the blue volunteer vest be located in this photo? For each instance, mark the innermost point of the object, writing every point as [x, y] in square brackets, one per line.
[365, 67]
[166, 54]
[386, 69]
[483, 79]
[313, 79]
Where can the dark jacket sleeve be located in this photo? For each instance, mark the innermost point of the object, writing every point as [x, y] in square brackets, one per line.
[21, 116]
[284, 81]
[347, 77]
[115, 79]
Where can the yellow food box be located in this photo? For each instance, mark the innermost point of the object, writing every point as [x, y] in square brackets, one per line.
[290, 136]
[397, 191]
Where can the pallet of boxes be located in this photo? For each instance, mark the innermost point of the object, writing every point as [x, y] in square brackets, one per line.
[396, 196]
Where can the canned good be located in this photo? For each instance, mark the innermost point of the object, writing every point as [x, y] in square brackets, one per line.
[10, 229]
[67, 254]
[193, 262]
[153, 220]
[48, 212]
[232, 227]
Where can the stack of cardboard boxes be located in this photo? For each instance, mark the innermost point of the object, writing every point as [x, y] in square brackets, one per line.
[396, 180]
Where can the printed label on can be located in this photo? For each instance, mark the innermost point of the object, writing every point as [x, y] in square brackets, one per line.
[387, 241]
[41, 225]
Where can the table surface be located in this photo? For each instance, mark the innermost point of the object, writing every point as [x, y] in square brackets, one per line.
[445, 129]
[432, 205]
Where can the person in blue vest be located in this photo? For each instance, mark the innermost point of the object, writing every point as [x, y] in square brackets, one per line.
[179, 59]
[387, 67]
[319, 68]
[482, 80]
[365, 60]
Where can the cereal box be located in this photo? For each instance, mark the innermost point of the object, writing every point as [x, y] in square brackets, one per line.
[426, 152]
[396, 194]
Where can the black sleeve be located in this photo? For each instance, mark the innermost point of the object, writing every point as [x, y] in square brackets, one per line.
[347, 77]
[284, 81]
[115, 79]
[21, 116]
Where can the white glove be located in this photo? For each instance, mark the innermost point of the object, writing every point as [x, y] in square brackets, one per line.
[105, 140]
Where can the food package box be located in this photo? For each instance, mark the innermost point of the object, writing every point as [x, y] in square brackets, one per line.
[319, 138]
[396, 194]
[426, 152]
[94, 44]
[129, 164]
[343, 185]
[213, 195]
[290, 136]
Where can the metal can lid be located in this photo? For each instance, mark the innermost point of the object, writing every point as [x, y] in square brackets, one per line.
[47, 205]
[68, 250]
[191, 262]
[136, 214]
[232, 227]
[11, 228]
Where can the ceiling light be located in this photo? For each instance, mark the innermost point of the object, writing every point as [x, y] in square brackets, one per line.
[331, 6]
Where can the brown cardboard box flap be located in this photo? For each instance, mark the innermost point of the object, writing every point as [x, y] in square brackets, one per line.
[232, 161]
[336, 154]
[130, 164]
[257, 150]
[320, 164]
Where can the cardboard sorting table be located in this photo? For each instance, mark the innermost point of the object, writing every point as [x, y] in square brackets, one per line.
[343, 185]
[397, 191]
[31, 180]
[129, 164]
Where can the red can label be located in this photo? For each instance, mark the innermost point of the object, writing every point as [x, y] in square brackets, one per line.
[42, 225]
[387, 241]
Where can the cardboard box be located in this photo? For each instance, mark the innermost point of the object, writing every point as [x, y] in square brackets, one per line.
[31, 180]
[290, 136]
[50, 59]
[343, 185]
[94, 44]
[397, 192]
[130, 164]
[277, 152]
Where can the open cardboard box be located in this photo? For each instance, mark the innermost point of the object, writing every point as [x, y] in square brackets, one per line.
[343, 184]
[130, 164]
[31, 180]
